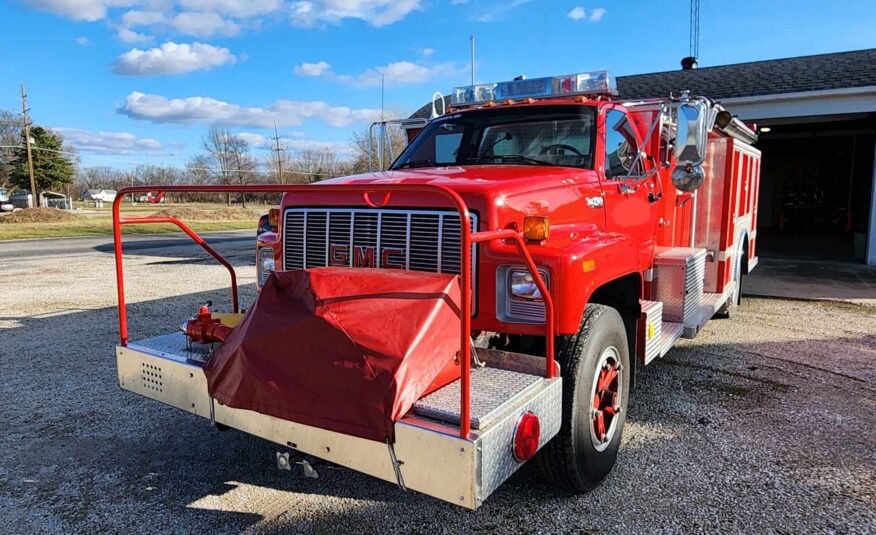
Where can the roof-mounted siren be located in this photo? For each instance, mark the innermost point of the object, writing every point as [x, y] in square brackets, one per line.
[597, 83]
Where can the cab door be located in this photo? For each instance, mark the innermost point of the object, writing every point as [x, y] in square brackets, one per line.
[629, 211]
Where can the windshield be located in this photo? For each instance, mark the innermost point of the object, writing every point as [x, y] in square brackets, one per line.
[543, 135]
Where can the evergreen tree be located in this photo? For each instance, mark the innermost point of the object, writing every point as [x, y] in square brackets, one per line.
[51, 170]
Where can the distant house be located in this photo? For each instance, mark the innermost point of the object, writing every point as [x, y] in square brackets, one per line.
[105, 195]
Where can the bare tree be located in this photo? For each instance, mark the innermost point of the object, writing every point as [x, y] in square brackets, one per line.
[229, 159]
[366, 147]
[312, 165]
[216, 143]
[274, 168]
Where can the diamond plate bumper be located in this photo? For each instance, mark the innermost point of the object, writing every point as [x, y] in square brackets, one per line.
[433, 459]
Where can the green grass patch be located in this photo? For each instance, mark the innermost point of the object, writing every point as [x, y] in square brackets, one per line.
[104, 227]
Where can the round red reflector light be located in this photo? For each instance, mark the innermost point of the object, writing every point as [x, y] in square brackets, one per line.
[526, 437]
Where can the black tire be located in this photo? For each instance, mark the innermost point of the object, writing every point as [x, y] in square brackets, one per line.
[571, 460]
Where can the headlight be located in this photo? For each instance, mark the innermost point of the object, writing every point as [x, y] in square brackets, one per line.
[265, 264]
[521, 285]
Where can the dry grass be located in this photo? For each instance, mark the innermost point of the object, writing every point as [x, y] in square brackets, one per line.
[38, 215]
[53, 223]
[218, 213]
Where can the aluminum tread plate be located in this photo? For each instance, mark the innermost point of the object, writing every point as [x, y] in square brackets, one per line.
[175, 345]
[492, 390]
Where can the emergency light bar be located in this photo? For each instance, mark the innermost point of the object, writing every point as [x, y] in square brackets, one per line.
[588, 83]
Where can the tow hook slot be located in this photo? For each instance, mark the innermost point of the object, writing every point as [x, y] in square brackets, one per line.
[285, 462]
[396, 465]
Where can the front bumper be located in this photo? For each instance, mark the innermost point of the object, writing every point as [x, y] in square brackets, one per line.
[433, 459]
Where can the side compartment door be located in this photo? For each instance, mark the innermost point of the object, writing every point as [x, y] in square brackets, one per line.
[627, 211]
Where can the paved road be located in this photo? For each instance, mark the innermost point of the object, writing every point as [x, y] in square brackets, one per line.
[237, 241]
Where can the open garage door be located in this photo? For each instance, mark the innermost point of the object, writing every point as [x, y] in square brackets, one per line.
[816, 185]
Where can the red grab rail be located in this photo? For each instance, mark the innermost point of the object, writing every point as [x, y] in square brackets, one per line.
[468, 238]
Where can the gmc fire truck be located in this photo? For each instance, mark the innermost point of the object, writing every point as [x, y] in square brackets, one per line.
[485, 301]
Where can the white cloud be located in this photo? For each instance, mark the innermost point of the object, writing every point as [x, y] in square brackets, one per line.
[427, 52]
[307, 13]
[313, 69]
[131, 37]
[133, 18]
[295, 142]
[109, 142]
[577, 13]
[253, 140]
[406, 72]
[172, 58]
[84, 41]
[204, 25]
[206, 110]
[87, 10]
[394, 74]
[233, 8]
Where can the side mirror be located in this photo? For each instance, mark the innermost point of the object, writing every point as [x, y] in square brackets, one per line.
[692, 134]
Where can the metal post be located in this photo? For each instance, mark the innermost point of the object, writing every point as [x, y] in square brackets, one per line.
[24, 116]
[871, 232]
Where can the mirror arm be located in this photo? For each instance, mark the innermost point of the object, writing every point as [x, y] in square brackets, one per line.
[629, 187]
[629, 180]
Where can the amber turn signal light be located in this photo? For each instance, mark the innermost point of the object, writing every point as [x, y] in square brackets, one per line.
[536, 228]
[274, 217]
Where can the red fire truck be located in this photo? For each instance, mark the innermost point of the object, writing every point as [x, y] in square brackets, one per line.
[484, 301]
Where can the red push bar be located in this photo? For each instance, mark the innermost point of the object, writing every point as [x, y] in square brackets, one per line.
[465, 255]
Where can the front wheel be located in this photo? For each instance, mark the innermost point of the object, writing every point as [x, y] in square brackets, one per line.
[595, 370]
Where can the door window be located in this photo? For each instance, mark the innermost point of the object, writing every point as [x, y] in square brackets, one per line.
[621, 147]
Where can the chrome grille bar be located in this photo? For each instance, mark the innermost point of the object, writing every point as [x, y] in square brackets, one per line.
[420, 240]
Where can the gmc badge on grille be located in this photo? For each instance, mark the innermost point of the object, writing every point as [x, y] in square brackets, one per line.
[366, 256]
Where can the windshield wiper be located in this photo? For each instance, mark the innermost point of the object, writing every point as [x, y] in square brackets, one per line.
[513, 158]
[415, 163]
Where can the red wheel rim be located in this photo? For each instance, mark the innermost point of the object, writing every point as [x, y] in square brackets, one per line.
[606, 397]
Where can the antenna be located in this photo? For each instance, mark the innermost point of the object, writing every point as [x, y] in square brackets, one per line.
[694, 51]
[471, 38]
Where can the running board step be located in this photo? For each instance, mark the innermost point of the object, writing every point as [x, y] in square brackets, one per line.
[711, 303]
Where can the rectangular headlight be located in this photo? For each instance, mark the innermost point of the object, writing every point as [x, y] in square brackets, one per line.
[521, 285]
[264, 264]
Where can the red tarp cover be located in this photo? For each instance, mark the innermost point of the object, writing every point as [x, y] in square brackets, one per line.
[345, 349]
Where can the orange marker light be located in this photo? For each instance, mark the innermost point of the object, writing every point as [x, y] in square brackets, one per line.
[536, 228]
[274, 217]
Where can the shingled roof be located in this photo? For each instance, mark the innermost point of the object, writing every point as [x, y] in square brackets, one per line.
[839, 70]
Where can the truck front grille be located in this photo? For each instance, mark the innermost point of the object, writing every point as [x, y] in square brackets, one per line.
[419, 240]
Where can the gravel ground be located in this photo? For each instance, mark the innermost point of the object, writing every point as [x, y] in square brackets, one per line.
[764, 423]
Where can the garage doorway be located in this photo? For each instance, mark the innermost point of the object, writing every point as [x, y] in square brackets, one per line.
[816, 181]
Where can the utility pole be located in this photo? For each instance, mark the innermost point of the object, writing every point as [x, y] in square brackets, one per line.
[26, 120]
[471, 38]
[277, 148]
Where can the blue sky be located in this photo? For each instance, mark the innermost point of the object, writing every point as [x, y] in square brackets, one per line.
[130, 81]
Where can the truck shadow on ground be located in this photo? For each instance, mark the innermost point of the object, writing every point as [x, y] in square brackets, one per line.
[87, 455]
[239, 250]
